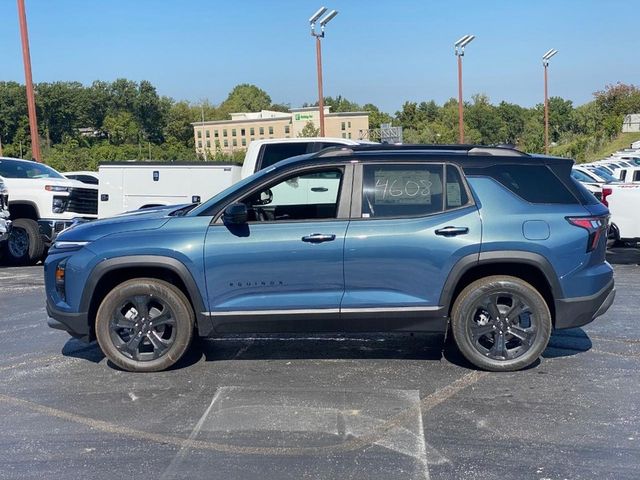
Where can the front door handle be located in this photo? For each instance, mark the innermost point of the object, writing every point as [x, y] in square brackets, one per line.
[318, 238]
[452, 231]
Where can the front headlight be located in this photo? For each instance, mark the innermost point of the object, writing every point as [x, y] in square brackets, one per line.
[56, 188]
[68, 246]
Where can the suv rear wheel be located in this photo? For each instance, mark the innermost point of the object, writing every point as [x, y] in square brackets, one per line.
[501, 323]
[144, 325]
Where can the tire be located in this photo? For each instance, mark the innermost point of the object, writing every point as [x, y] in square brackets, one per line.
[484, 334]
[125, 325]
[613, 237]
[25, 245]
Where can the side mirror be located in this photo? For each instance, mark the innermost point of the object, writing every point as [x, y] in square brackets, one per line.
[235, 214]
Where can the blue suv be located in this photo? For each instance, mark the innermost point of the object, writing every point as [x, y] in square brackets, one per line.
[490, 245]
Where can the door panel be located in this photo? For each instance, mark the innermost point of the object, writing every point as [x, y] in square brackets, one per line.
[268, 266]
[403, 262]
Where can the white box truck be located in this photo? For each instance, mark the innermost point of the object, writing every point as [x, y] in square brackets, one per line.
[127, 186]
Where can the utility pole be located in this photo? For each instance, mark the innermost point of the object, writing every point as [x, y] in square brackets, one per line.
[31, 101]
[319, 36]
[545, 63]
[459, 51]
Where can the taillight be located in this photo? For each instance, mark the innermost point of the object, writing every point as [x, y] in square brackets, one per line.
[596, 226]
[605, 193]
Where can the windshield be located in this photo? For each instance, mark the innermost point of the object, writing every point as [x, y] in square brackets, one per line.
[26, 169]
[602, 173]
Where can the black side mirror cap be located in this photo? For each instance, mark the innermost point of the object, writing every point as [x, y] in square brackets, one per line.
[235, 214]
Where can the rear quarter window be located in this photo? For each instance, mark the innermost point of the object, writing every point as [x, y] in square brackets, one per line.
[533, 183]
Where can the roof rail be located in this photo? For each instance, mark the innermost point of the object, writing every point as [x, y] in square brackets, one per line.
[502, 151]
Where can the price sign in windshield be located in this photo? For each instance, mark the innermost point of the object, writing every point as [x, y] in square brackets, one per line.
[406, 187]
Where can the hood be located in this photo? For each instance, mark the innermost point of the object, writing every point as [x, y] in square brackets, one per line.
[147, 219]
[33, 182]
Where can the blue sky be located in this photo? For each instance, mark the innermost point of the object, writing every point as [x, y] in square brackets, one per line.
[379, 52]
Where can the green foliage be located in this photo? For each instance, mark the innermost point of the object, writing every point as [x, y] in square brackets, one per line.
[309, 130]
[128, 120]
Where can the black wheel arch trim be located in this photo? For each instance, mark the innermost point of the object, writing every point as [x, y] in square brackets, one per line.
[203, 322]
[470, 261]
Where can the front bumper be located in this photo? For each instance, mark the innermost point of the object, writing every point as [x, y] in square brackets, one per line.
[5, 228]
[576, 312]
[75, 324]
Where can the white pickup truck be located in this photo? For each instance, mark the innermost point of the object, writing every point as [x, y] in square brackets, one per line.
[623, 201]
[5, 223]
[127, 186]
[42, 203]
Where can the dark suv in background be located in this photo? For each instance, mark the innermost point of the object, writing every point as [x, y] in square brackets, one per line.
[494, 245]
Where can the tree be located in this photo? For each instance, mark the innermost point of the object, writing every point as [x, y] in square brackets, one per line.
[309, 130]
[245, 98]
[121, 127]
[376, 117]
[178, 123]
[148, 111]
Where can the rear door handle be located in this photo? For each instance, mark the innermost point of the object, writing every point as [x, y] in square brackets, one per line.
[318, 238]
[452, 231]
[319, 189]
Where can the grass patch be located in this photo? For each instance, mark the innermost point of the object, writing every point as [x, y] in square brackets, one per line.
[624, 140]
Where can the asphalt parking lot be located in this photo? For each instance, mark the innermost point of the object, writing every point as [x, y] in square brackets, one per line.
[361, 407]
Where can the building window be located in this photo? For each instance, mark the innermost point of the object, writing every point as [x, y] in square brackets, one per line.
[243, 132]
[261, 130]
[252, 139]
[224, 132]
[349, 124]
[207, 133]
[270, 130]
[235, 142]
[208, 143]
[233, 132]
[199, 143]
[286, 129]
[343, 126]
[215, 133]
[199, 133]
[344, 135]
[349, 134]
[252, 131]
[244, 142]
[226, 143]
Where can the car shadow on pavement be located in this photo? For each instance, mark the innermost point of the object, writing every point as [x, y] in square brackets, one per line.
[324, 347]
[85, 351]
[565, 343]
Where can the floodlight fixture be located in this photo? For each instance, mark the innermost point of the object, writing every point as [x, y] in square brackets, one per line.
[461, 43]
[330, 16]
[457, 44]
[550, 53]
[467, 41]
[314, 18]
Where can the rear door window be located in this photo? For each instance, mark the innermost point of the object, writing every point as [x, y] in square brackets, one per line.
[402, 190]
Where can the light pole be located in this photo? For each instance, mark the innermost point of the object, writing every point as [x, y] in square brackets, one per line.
[545, 62]
[31, 101]
[459, 50]
[330, 16]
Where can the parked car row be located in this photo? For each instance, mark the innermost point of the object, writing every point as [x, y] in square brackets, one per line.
[615, 181]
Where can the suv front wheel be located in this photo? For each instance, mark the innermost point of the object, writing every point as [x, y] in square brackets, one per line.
[144, 325]
[501, 323]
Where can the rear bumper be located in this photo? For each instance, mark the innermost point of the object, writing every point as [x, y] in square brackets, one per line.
[75, 324]
[576, 312]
